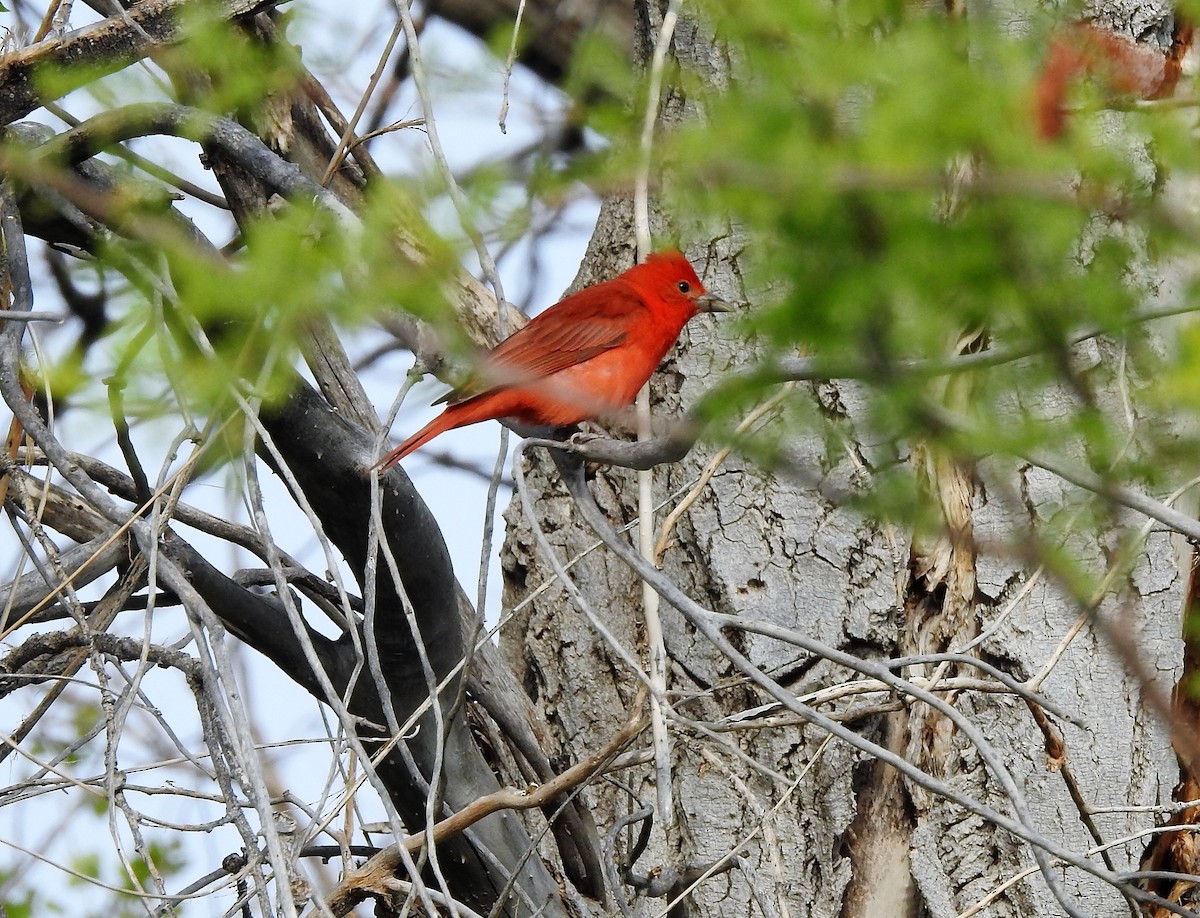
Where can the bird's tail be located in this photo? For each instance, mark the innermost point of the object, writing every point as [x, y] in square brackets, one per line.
[440, 424]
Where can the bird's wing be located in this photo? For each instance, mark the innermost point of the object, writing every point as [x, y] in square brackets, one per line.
[574, 330]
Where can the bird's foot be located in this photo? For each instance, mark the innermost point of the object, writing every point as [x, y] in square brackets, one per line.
[583, 437]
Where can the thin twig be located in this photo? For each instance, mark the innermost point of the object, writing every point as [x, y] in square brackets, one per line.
[508, 67]
[7, 315]
[656, 646]
[347, 139]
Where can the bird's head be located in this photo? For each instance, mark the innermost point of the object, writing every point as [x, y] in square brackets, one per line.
[672, 277]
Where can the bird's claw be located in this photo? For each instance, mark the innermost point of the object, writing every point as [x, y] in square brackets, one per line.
[583, 438]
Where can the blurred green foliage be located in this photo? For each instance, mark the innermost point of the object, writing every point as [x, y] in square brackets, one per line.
[222, 68]
[890, 197]
[79, 896]
[881, 163]
[876, 167]
[189, 323]
[167, 860]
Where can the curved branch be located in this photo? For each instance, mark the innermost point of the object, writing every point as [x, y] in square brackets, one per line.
[356, 886]
[123, 648]
[259, 620]
[239, 144]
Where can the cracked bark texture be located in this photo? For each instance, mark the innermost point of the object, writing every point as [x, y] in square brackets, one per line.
[854, 839]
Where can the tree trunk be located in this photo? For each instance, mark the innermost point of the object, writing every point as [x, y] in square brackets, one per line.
[834, 831]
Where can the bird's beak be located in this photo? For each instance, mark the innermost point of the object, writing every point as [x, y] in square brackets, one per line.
[710, 302]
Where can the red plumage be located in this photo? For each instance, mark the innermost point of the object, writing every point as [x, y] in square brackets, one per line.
[585, 356]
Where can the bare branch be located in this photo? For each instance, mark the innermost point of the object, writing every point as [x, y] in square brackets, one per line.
[380, 868]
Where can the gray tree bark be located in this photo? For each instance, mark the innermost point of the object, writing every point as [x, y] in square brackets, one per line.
[833, 831]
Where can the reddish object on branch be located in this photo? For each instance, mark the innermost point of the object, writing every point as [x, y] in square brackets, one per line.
[584, 357]
[1120, 66]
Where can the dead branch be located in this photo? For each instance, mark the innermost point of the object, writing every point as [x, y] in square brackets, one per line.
[374, 877]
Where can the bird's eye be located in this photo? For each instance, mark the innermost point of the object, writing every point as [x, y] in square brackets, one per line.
[684, 287]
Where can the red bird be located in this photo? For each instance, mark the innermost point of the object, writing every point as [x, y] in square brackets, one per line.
[584, 357]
